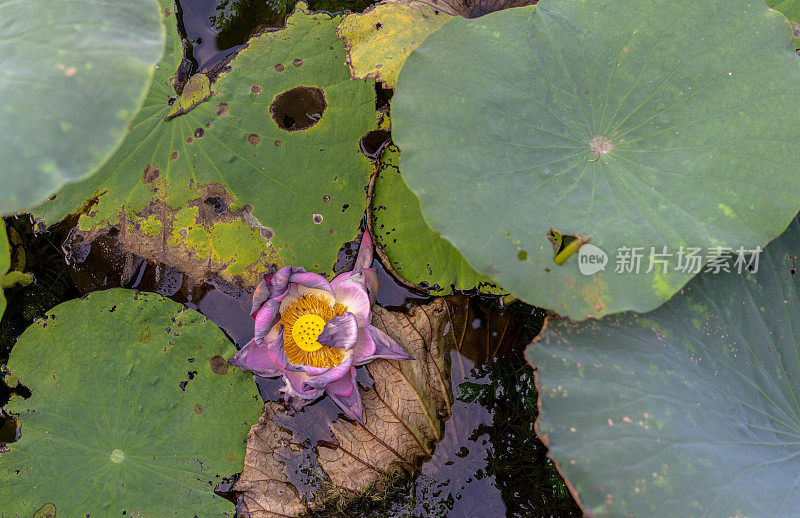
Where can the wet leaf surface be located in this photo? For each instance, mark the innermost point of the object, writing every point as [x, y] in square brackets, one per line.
[263, 484]
[125, 405]
[690, 410]
[412, 250]
[65, 112]
[226, 188]
[379, 40]
[597, 121]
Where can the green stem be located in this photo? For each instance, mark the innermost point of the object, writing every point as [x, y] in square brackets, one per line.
[571, 249]
[13, 278]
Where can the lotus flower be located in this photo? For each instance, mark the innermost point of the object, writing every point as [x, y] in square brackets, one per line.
[314, 333]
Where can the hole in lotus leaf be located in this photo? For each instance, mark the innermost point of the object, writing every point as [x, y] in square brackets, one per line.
[297, 62]
[255, 89]
[345, 207]
[279, 68]
[199, 132]
[217, 203]
[373, 143]
[378, 26]
[317, 218]
[151, 173]
[218, 365]
[222, 109]
[298, 108]
[254, 139]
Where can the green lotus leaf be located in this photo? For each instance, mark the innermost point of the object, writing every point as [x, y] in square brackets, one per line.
[231, 177]
[379, 40]
[636, 124]
[414, 251]
[133, 411]
[74, 74]
[690, 410]
[5, 262]
[789, 8]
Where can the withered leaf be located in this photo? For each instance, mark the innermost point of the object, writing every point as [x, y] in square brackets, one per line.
[405, 410]
[263, 485]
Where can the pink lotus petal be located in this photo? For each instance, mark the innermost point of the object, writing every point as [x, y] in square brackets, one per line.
[365, 348]
[265, 319]
[344, 387]
[261, 294]
[353, 293]
[340, 332]
[333, 374]
[310, 280]
[256, 359]
[370, 280]
[294, 386]
[364, 259]
[350, 405]
[385, 347]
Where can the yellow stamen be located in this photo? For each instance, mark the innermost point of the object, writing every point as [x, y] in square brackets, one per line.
[303, 321]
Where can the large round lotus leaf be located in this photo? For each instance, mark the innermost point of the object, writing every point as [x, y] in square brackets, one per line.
[74, 73]
[210, 183]
[416, 252]
[133, 411]
[638, 124]
[690, 410]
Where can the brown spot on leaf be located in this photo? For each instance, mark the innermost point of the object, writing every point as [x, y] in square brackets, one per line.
[326, 198]
[279, 68]
[198, 409]
[151, 173]
[299, 108]
[255, 89]
[222, 109]
[189, 140]
[173, 155]
[297, 62]
[254, 139]
[277, 143]
[218, 365]
[317, 218]
[199, 132]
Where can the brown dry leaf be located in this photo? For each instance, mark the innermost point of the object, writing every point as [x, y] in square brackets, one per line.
[405, 410]
[263, 485]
